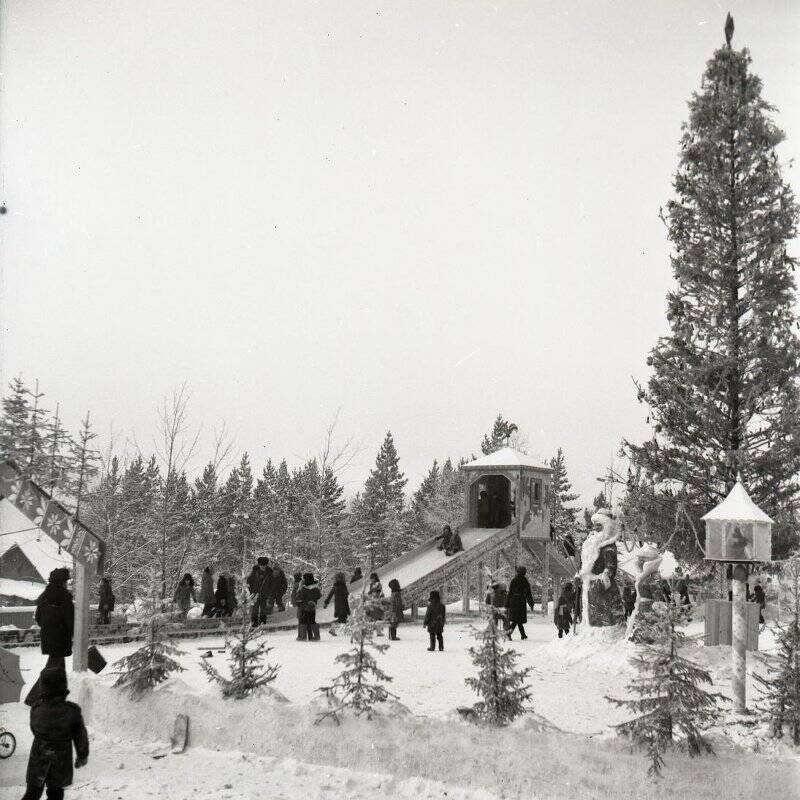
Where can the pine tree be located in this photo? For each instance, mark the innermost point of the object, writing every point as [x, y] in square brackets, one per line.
[14, 423]
[152, 663]
[382, 504]
[499, 683]
[562, 514]
[86, 460]
[723, 395]
[248, 649]
[359, 687]
[779, 686]
[669, 694]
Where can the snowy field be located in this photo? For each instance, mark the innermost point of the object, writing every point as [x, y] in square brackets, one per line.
[250, 748]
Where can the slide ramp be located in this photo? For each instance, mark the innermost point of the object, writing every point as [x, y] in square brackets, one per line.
[422, 569]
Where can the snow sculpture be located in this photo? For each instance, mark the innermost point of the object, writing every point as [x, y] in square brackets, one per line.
[602, 601]
[648, 588]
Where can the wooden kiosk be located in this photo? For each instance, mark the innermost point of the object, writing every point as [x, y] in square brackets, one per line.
[70, 534]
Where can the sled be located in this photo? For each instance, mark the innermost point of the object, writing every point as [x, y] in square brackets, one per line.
[180, 732]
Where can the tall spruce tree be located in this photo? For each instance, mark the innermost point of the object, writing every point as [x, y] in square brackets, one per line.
[382, 504]
[723, 395]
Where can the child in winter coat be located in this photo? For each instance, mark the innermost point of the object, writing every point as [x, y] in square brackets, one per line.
[106, 604]
[563, 616]
[496, 600]
[628, 599]
[220, 608]
[374, 597]
[57, 725]
[340, 594]
[434, 620]
[395, 613]
[306, 601]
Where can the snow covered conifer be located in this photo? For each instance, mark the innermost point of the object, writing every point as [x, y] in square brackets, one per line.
[723, 395]
[248, 649]
[152, 663]
[779, 687]
[501, 685]
[670, 703]
[359, 687]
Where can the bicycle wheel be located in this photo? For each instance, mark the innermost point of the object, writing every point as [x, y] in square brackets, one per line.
[8, 744]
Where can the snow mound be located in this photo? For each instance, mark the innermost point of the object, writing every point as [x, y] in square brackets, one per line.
[605, 649]
[176, 685]
[195, 612]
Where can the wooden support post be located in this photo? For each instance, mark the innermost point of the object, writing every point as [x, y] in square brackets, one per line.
[80, 640]
[556, 594]
[545, 578]
[465, 591]
[481, 597]
[414, 612]
[739, 640]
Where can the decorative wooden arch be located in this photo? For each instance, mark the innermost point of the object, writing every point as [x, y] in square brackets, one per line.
[70, 534]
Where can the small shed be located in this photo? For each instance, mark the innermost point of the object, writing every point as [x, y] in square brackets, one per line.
[738, 530]
[509, 487]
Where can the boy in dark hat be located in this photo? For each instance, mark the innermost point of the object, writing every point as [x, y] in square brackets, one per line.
[57, 725]
[434, 620]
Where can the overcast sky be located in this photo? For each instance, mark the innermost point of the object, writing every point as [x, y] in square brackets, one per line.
[421, 212]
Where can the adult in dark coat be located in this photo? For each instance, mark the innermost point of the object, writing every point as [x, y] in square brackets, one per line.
[434, 620]
[207, 592]
[307, 596]
[106, 601]
[279, 586]
[340, 594]
[55, 615]
[57, 725]
[519, 594]
[231, 601]
[483, 510]
[302, 631]
[494, 511]
[760, 598]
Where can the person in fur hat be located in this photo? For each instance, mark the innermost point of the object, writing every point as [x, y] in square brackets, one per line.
[601, 597]
[57, 726]
[55, 615]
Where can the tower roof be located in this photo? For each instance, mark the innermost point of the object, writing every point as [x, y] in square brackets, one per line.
[738, 507]
[508, 458]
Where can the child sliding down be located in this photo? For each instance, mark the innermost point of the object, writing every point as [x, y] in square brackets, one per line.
[434, 620]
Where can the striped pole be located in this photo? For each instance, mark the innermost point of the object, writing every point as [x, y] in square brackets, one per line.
[739, 639]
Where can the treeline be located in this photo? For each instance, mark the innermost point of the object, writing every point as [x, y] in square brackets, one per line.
[157, 520]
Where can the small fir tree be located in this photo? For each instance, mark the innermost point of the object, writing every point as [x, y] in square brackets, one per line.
[359, 687]
[670, 700]
[779, 687]
[248, 649]
[501, 685]
[152, 663]
[502, 434]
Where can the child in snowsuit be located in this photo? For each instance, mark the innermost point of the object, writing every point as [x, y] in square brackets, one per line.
[395, 615]
[307, 596]
[434, 620]
[563, 616]
[496, 599]
[57, 725]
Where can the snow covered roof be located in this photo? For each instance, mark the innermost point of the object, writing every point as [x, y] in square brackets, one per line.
[38, 548]
[27, 590]
[738, 507]
[506, 457]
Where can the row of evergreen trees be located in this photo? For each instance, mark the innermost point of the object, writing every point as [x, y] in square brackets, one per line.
[155, 518]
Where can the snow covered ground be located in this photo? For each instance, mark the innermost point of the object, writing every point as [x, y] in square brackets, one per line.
[245, 749]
